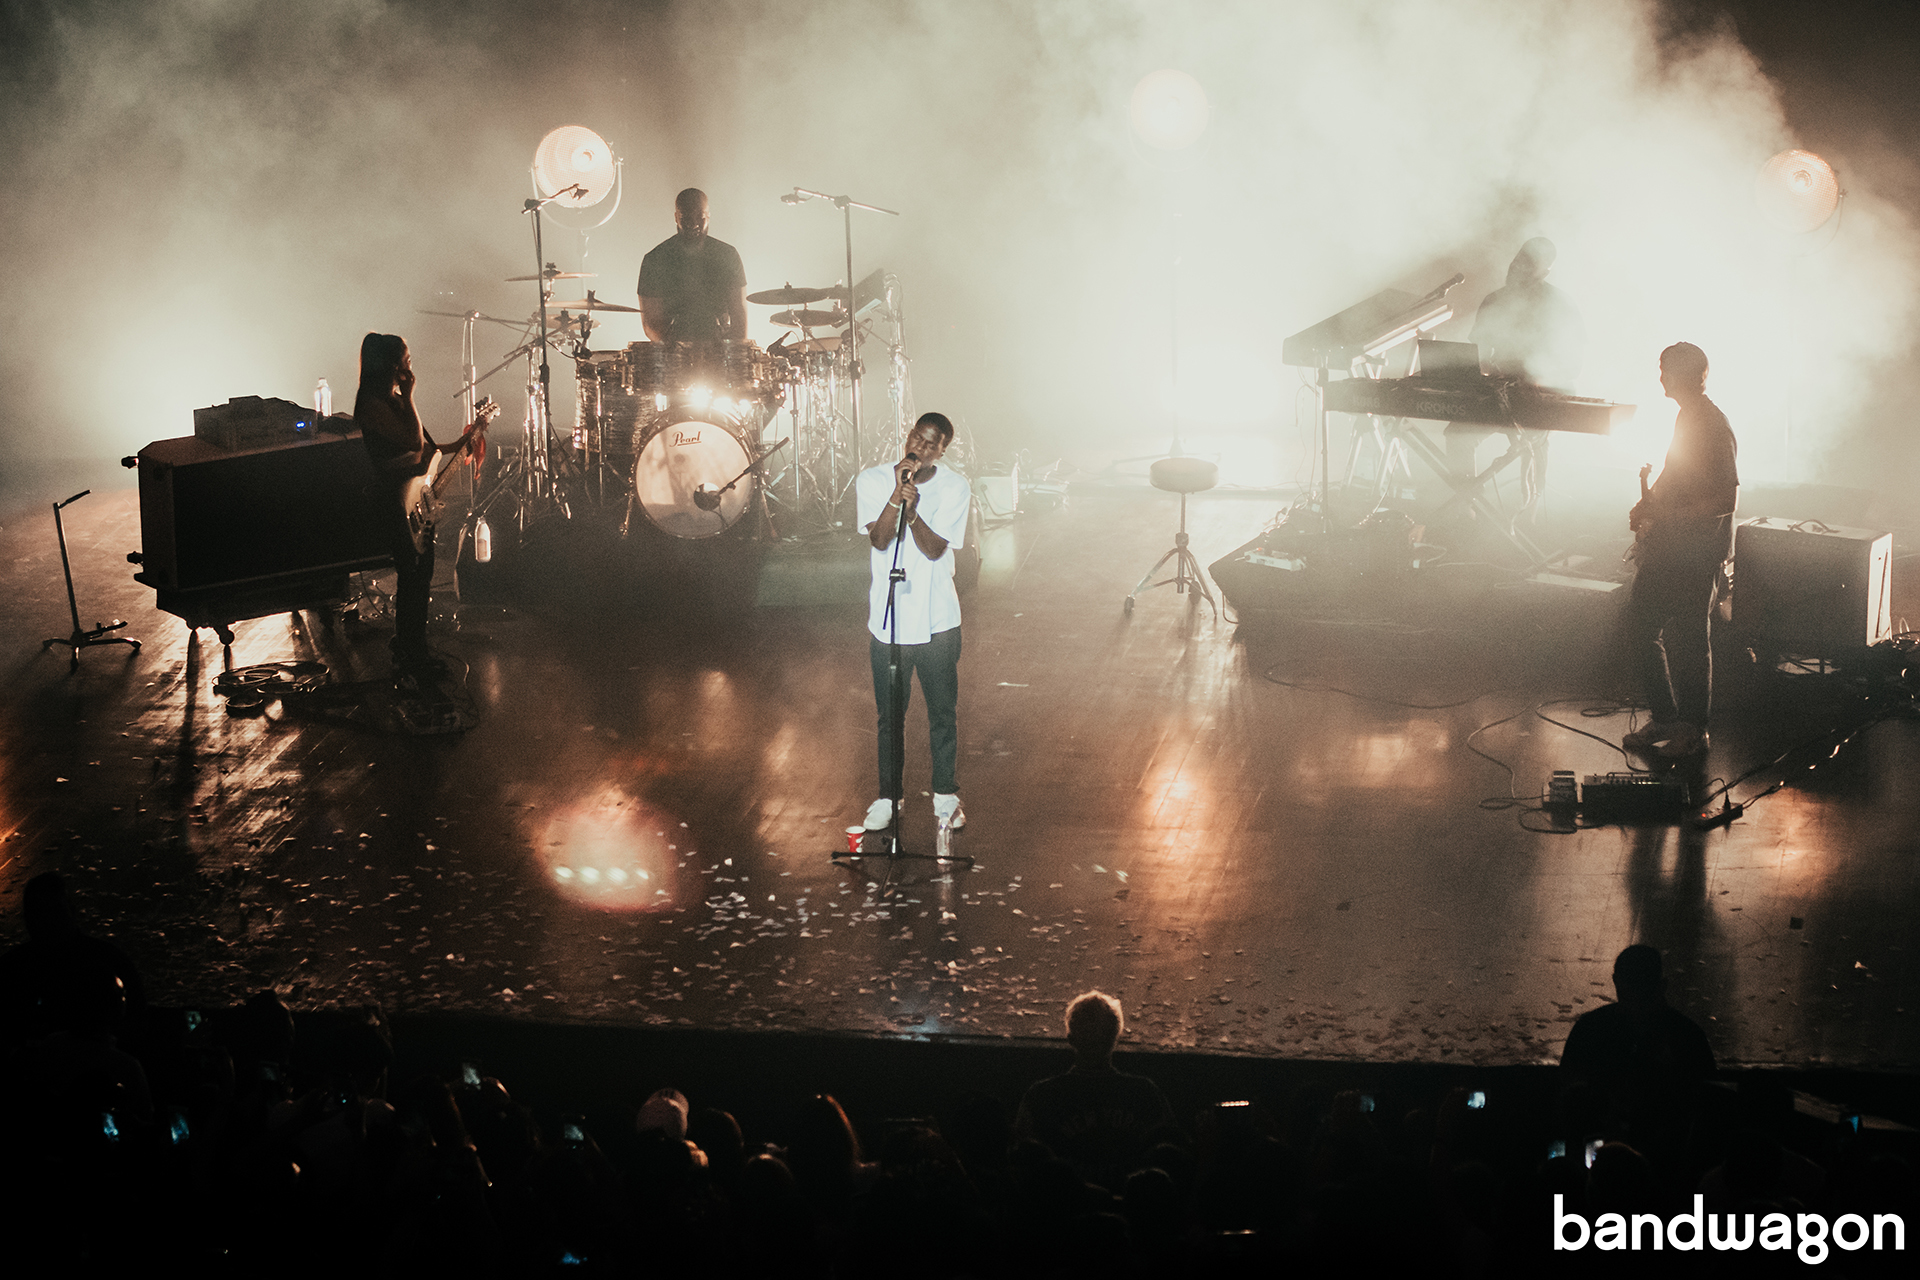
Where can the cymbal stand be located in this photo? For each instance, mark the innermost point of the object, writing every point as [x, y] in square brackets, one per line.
[846, 205]
[899, 373]
[525, 479]
[80, 639]
[537, 451]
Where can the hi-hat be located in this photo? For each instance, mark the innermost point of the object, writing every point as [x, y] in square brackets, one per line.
[553, 275]
[810, 319]
[793, 297]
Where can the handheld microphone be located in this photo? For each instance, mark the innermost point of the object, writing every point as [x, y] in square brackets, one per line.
[906, 472]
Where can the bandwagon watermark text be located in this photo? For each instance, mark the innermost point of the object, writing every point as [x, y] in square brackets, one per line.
[1729, 1231]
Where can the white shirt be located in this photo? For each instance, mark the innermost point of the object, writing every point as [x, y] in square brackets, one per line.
[926, 601]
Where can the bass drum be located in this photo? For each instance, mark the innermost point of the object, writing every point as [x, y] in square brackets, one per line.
[684, 464]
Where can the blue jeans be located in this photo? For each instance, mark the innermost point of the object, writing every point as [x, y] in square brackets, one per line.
[938, 662]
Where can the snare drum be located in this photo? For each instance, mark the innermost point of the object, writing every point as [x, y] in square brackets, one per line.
[684, 462]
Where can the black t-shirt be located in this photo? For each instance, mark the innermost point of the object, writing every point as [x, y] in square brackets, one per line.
[697, 283]
[1699, 473]
[1097, 1121]
[1657, 1055]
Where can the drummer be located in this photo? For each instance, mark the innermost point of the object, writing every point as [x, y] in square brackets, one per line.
[692, 286]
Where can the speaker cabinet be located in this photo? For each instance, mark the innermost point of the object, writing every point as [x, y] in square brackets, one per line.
[1812, 589]
[229, 534]
[212, 516]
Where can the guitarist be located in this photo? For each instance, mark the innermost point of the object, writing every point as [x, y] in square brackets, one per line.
[401, 450]
[1685, 528]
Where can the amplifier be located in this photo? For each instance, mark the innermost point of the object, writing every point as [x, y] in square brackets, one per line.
[1812, 589]
[217, 518]
[250, 422]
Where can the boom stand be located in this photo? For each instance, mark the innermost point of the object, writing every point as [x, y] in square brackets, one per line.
[80, 639]
[897, 692]
[846, 205]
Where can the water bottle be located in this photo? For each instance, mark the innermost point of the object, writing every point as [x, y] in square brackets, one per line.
[482, 541]
[943, 839]
[322, 400]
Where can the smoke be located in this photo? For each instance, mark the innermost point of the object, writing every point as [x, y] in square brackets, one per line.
[218, 198]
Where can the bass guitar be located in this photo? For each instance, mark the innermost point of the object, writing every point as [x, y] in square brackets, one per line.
[422, 498]
[1638, 521]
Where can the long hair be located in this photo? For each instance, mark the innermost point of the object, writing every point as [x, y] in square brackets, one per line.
[380, 356]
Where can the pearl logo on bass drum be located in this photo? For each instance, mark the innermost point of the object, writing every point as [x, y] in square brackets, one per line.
[681, 437]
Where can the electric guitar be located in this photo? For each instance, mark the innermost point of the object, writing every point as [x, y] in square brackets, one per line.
[1640, 524]
[421, 499]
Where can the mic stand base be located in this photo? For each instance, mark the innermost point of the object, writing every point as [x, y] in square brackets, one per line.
[894, 856]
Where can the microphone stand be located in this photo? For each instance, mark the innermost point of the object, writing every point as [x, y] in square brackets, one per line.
[544, 485]
[897, 705]
[846, 205]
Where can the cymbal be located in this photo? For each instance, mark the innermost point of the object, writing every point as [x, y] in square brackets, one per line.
[792, 297]
[554, 275]
[462, 315]
[810, 319]
[589, 304]
[810, 346]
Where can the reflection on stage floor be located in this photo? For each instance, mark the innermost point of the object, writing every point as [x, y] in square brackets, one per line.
[1305, 835]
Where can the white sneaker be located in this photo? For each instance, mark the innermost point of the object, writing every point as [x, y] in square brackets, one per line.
[947, 809]
[879, 815]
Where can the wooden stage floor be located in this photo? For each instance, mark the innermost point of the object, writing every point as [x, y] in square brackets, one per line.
[1200, 818]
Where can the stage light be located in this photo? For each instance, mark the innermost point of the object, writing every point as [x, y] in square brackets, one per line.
[1169, 110]
[574, 156]
[1797, 191]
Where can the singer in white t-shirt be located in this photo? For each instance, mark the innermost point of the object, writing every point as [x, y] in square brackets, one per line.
[935, 500]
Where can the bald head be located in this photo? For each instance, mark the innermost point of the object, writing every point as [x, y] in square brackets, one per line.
[690, 214]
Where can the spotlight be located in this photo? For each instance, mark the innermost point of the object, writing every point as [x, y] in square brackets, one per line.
[574, 156]
[1169, 110]
[1797, 191]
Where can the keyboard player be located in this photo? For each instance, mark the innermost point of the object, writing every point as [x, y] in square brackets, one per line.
[1530, 330]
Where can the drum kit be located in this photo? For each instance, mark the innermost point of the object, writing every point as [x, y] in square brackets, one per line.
[694, 437]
